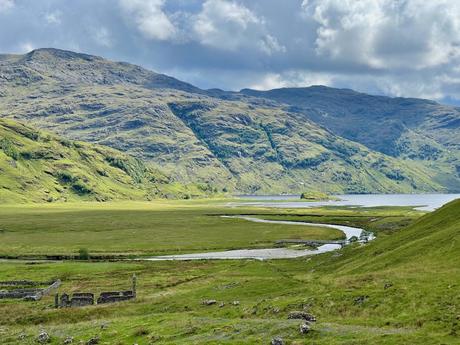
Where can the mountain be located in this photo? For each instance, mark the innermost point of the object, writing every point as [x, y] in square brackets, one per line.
[408, 128]
[38, 166]
[239, 142]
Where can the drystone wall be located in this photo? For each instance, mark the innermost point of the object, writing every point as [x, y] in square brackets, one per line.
[33, 294]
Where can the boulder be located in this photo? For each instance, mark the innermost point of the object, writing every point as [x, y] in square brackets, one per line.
[277, 341]
[93, 341]
[301, 315]
[43, 338]
[361, 299]
[304, 328]
[209, 302]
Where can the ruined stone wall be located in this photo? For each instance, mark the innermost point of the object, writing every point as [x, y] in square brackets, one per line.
[27, 293]
[81, 299]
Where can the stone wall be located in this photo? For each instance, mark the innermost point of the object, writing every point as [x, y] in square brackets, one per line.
[115, 296]
[24, 283]
[18, 293]
[34, 294]
[80, 299]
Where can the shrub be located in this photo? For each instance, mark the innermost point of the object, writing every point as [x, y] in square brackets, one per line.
[83, 254]
[81, 188]
[9, 149]
[65, 177]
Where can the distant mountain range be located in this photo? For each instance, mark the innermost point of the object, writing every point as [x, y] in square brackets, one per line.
[278, 141]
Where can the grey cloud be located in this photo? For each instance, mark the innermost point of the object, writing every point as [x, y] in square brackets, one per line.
[404, 48]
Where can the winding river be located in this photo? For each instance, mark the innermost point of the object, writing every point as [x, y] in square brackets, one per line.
[269, 253]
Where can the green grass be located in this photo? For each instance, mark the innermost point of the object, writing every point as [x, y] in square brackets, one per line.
[37, 166]
[419, 265]
[142, 228]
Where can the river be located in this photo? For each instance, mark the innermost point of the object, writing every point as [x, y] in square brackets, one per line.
[268, 253]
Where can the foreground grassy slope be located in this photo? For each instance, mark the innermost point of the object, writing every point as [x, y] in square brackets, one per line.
[241, 144]
[430, 242]
[387, 292]
[36, 166]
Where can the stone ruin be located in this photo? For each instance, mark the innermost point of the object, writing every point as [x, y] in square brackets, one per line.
[26, 289]
[77, 300]
[81, 299]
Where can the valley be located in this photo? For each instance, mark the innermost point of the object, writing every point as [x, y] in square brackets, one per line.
[112, 174]
[229, 172]
[381, 292]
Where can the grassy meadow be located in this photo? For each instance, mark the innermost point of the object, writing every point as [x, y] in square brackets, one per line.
[142, 228]
[400, 289]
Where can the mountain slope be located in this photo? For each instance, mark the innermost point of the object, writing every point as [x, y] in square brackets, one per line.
[232, 141]
[407, 128]
[38, 166]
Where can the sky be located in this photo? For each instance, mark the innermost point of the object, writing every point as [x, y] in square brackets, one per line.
[407, 48]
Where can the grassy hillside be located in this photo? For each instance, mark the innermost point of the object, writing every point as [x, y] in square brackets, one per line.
[37, 166]
[408, 128]
[432, 242]
[236, 143]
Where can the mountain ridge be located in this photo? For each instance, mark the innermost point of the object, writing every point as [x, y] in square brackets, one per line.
[235, 141]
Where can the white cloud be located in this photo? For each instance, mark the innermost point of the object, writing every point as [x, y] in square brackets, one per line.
[413, 34]
[5, 5]
[292, 78]
[270, 45]
[53, 18]
[229, 25]
[26, 47]
[149, 18]
[224, 24]
[103, 37]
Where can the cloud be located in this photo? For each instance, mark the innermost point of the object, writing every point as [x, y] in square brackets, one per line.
[5, 5]
[149, 18]
[53, 18]
[228, 25]
[270, 45]
[26, 47]
[409, 34]
[103, 37]
[294, 78]
[393, 47]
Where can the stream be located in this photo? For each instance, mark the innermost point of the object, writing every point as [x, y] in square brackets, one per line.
[268, 253]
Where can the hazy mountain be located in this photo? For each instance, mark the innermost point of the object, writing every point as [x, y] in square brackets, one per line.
[234, 141]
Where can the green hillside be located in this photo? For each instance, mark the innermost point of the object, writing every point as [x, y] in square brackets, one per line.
[407, 128]
[227, 140]
[37, 166]
[433, 242]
